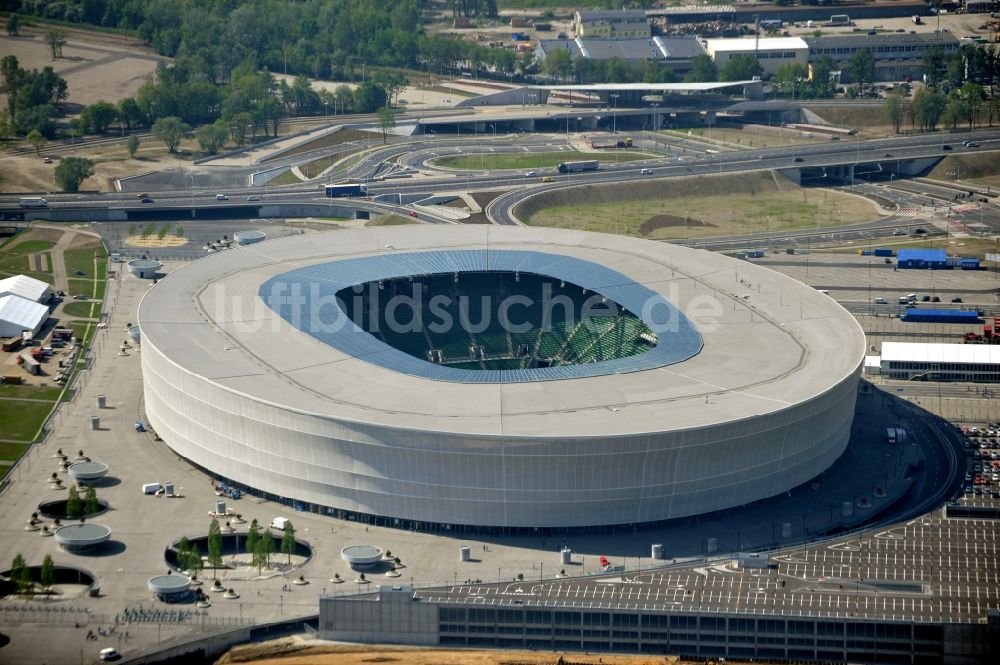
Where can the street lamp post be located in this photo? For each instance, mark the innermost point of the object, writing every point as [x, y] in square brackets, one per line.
[656, 125]
[614, 112]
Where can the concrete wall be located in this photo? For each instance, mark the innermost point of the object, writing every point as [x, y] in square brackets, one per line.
[392, 617]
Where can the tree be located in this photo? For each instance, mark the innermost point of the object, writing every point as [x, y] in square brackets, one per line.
[129, 113]
[98, 116]
[171, 130]
[895, 110]
[214, 546]
[973, 95]
[48, 572]
[386, 121]
[267, 546]
[928, 108]
[368, 98]
[210, 138]
[703, 70]
[90, 505]
[792, 76]
[13, 25]
[183, 552]
[36, 140]
[73, 503]
[288, 541]
[955, 110]
[132, 145]
[934, 65]
[557, 64]
[822, 72]
[56, 39]
[194, 563]
[253, 536]
[71, 171]
[861, 68]
[741, 68]
[20, 575]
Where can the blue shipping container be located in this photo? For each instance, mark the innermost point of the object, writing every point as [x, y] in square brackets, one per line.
[918, 315]
[883, 251]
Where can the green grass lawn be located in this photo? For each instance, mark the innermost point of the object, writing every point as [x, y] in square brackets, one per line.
[14, 260]
[33, 392]
[20, 420]
[535, 160]
[82, 310]
[82, 259]
[87, 287]
[286, 178]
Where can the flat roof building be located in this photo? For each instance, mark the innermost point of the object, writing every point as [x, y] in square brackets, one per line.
[897, 55]
[677, 52]
[941, 362]
[771, 52]
[612, 24]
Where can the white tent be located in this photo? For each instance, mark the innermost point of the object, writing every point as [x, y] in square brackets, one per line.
[18, 314]
[25, 287]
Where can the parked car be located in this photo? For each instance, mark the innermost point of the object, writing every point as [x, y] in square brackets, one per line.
[110, 654]
[47, 160]
[956, 300]
[936, 299]
[925, 299]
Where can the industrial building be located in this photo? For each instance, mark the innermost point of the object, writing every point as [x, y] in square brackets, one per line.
[940, 362]
[676, 52]
[897, 55]
[26, 287]
[612, 24]
[18, 314]
[575, 427]
[771, 52]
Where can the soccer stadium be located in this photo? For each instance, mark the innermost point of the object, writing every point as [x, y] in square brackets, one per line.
[497, 377]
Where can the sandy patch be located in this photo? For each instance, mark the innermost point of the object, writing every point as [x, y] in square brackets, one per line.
[93, 70]
[155, 242]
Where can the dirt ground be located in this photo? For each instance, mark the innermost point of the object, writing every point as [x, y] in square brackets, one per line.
[154, 241]
[293, 652]
[95, 66]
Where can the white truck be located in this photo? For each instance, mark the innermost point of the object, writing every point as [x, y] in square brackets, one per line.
[279, 523]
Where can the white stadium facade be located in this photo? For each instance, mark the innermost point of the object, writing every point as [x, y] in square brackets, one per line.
[719, 382]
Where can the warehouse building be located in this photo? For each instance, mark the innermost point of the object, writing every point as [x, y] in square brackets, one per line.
[18, 314]
[897, 55]
[941, 362]
[612, 24]
[771, 52]
[676, 52]
[25, 287]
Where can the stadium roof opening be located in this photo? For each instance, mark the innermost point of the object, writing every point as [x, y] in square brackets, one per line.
[622, 327]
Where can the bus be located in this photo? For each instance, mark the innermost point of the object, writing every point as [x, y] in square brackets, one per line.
[346, 189]
[33, 202]
[572, 167]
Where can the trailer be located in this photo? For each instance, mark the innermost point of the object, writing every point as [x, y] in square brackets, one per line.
[573, 167]
[348, 189]
[33, 202]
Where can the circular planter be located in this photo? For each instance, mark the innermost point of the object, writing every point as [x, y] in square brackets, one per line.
[56, 509]
[361, 556]
[82, 537]
[231, 595]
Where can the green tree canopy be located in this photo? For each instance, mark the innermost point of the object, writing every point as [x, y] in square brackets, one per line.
[211, 137]
[70, 172]
[386, 121]
[90, 504]
[703, 70]
[861, 68]
[13, 25]
[928, 107]
[36, 140]
[288, 541]
[214, 545]
[56, 39]
[73, 504]
[98, 116]
[741, 68]
[132, 145]
[171, 131]
[894, 110]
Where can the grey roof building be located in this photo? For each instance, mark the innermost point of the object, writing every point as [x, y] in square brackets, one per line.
[677, 52]
[897, 55]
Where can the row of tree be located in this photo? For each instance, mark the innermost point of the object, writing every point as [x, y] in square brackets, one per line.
[259, 545]
[22, 578]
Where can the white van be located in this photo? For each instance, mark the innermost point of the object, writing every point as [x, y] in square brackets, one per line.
[279, 523]
[903, 300]
[912, 297]
[879, 300]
